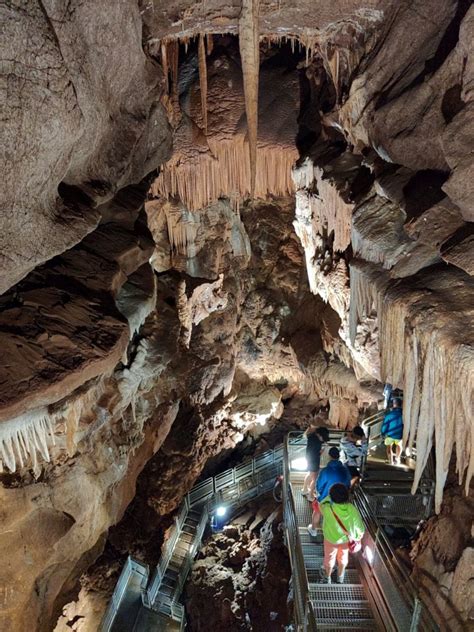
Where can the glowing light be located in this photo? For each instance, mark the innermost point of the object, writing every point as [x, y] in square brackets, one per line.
[301, 464]
[221, 511]
[369, 555]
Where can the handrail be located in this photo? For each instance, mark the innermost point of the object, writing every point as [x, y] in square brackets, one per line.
[395, 572]
[261, 470]
[398, 574]
[304, 610]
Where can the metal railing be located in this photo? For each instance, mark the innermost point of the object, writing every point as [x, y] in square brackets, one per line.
[132, 570]
[395, 594]
[303, 610]
[381, 565]
[234, 488]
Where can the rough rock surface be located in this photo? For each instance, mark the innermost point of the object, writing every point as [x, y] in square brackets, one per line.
[112, 367]
[443, 559]
[91, 123]
[240, 578]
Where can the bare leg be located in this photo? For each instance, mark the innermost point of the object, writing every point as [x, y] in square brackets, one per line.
[330, 552]
[307, 480]
[342, 561]
[390, 454]
[398, 453]
[315, 519]
[314, 476]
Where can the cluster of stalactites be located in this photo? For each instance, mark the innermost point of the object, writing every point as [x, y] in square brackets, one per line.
[435, 372]
[25, 438]
[225, 172]
[228, 175]
[324, 209]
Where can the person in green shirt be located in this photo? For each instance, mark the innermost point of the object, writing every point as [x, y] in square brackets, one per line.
[341, 522]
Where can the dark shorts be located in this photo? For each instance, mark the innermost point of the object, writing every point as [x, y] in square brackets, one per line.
[353, 470]
[314, 461]
[313, 464]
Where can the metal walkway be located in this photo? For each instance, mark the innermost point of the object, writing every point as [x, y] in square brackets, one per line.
[335, 606]
[139, 604]
[377, 594]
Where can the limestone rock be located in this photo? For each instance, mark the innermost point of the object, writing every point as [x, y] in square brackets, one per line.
[76, 99]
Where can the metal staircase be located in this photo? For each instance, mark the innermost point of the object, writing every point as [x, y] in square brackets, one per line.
[377, 594]
[139, 604]
[335, 606]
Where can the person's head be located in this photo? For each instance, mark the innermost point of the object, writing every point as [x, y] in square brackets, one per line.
[397, 402]
[339, 493]
[358, 433]
[334, 453]
[323, 434]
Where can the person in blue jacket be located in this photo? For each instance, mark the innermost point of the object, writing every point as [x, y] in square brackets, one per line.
[334, 472]
[392, 432]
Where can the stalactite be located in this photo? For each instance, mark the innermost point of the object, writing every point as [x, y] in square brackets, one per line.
[411, 391]
[250, 56]
[203, 80]
[425, 357]
[224, 172]
[23, 438]
[209, 43]
[164, 65]
[362, 301]
[173, 60]
[328, 211]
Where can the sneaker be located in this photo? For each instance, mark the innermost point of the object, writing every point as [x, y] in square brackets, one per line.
[312, 532]
[327, 580]
[340, 579]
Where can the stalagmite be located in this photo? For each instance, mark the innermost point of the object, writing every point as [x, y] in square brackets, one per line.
[250, 56]
[23, 438]
[203, 80]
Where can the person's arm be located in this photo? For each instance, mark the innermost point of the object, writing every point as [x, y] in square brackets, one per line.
[345, 441]
[309, 430]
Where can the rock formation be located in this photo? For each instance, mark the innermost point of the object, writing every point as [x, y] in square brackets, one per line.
[241, 575]
[218, 218]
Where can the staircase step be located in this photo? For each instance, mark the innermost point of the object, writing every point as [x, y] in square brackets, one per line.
[343, 614]
[365, 625]
[315, 576]
[337, 593]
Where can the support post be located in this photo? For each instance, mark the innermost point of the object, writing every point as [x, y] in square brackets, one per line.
[415, 619]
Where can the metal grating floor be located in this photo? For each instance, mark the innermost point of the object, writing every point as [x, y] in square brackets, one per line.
[337, 592]
[344, 613]
[367, 625]
[315, 576]
[337, 606]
